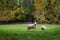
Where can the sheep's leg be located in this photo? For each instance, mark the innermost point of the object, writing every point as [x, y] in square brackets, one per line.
[28, 28]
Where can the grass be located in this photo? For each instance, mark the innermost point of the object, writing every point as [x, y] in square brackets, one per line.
[20, 32]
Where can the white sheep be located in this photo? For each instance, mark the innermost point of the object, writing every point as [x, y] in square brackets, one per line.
[32, 26]
[43, 27]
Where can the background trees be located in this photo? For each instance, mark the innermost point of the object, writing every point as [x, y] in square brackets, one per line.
[45, 11]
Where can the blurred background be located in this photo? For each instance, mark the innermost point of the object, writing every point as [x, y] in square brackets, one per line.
[42, 11]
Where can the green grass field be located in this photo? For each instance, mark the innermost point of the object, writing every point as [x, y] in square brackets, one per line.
[20, 32]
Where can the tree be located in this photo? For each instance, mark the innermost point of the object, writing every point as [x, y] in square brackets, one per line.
[40, 10]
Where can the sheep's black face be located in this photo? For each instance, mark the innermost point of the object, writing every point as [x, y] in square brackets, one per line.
[42, 28]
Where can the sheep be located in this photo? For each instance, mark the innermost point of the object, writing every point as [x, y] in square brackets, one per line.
[32, 26]
[43, 27]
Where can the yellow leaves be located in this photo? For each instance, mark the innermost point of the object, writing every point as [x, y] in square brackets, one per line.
[19, 10]
[53, 2]
[42, 18]
[38, 4]
[18, 17]
[12, 12]
[45, 11]
[4, 18]
[7, 15]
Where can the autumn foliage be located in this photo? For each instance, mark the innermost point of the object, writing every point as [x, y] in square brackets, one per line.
[45, 11]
